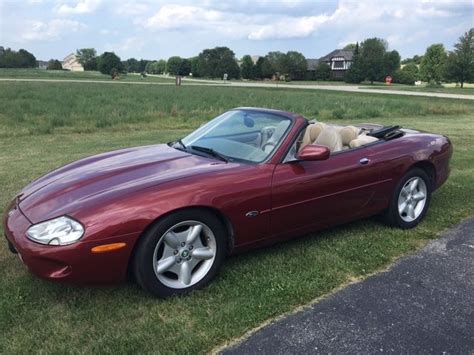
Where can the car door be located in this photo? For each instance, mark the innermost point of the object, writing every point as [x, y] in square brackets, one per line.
[308, 195]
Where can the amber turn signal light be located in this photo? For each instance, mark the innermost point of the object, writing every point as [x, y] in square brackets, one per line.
[108, 247]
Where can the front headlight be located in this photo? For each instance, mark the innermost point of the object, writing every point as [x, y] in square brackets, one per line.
[59, 231]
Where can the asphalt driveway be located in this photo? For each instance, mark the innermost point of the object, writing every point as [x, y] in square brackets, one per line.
[423, 304]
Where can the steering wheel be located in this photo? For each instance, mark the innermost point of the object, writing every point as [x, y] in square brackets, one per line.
[268, 144]
[266, 133]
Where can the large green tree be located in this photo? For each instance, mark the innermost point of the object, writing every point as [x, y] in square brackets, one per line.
[216, 62]
[108, 61]
[391, 63]
[262, 69]
[247, 68]
[350, 46]
[407, 75]
[416, 59]
[156, 67]
[21, 59]
[355, 74]
[132, 65]
[432, 66]
[277, 61]
[195, 70]
[87, 57]
[460, 62]
[54, 64]
[185, 67]
[266, 67]
[173, 65]
[372, 57]
[296, 65]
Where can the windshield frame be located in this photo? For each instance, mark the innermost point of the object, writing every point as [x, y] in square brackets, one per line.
[276, 113]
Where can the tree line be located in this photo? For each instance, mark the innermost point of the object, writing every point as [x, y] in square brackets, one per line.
[13, 59]
[372, 61]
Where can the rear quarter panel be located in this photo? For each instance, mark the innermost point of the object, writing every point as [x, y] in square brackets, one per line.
[396, 157]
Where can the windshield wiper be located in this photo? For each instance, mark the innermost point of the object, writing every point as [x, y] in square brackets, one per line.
[210, 151]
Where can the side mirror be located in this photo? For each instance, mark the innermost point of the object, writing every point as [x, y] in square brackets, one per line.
[313, 152]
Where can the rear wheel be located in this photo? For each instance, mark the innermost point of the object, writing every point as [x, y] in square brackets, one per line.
[410, 200]
[180, 253]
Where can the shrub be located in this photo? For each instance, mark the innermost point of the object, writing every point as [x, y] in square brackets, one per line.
[54, 64]
[109, 61]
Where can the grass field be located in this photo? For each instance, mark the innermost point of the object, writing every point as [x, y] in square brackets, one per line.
[68, 75]
[449, 89]
[45, 125]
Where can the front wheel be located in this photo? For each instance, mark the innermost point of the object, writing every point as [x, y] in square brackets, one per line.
[180, 253]
[410, 200]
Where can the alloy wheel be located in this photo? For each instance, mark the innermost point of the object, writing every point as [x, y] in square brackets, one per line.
[412, 199]
[184, 254]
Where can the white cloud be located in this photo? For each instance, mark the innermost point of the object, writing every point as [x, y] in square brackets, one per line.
[80, 7]
[178, 16]
[289, 28]
[132, 8]
[134, 43]
[47, 31]
[348, 15]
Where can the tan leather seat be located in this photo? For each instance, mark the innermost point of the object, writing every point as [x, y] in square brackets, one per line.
[348, 134]
[330, 138]
[311, 133]
[362, 140]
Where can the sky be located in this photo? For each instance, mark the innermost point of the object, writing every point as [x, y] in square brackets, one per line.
[156, 29]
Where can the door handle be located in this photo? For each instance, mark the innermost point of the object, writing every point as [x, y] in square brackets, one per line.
[364, 161]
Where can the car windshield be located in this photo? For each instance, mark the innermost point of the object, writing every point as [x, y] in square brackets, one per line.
[244, 135]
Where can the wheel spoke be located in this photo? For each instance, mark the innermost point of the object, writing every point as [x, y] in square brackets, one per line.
[193, 233]
[405, 191]
[402, 207]
[411, 211]
[185, 273]
[203, 253]
[413, 185]
[165, 264]
[419, 196]
[172, 240]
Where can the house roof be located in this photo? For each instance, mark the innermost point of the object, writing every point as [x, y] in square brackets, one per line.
[312, 64]
[347, 54]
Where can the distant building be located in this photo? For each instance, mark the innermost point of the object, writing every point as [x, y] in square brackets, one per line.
[71, 63]
[42, 64]
[339, 61]
[255, 58]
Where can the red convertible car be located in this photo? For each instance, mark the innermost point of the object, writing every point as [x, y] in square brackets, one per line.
[168, 214]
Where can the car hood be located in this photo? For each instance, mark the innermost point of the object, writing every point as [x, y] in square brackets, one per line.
[108, 176]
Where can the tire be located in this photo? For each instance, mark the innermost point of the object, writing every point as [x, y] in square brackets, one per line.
[404, 216]
[180, 253]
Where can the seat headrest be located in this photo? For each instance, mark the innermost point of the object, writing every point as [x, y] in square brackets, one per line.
[348, 133]
[311, 133]
[330, 138]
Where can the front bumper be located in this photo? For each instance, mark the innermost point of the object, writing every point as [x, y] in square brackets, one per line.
[73, 263]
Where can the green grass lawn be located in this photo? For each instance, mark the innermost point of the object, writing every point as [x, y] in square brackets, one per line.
[449, 89]
[45, 125]
[8, 73]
